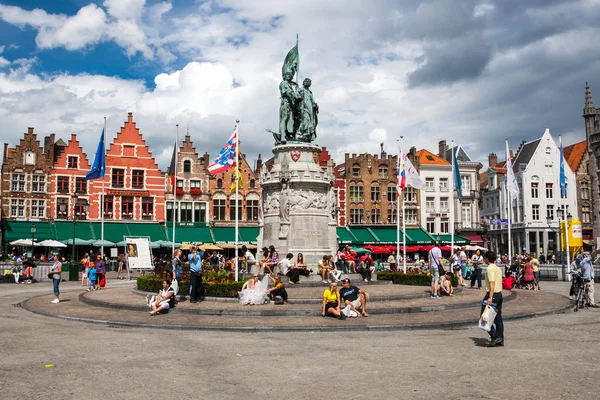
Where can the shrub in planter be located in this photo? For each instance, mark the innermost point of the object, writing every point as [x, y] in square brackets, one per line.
[153, 283]
[410, 278]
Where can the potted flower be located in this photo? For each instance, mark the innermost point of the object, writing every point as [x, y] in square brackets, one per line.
[179, 192]
[196, 191]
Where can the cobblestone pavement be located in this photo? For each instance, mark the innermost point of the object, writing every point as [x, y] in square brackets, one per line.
[554, 357]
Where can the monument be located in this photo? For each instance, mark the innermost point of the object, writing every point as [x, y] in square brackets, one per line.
[299, 205]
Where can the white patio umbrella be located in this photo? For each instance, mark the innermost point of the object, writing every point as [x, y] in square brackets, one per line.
[24, 242]
[51, 243]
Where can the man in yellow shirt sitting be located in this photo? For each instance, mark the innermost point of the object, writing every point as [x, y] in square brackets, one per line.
[493, 298]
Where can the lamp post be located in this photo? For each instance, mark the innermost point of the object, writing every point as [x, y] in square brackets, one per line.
[33, 229]
[83, 213]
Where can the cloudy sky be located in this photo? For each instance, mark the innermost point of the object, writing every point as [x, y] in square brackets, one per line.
[475, 72]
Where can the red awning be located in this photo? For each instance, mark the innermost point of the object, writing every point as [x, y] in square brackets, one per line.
[475, 239]
[378, 249]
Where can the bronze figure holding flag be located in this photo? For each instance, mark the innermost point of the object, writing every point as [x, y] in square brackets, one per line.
[298, 110]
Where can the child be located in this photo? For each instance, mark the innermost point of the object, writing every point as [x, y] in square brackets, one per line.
[92, 277]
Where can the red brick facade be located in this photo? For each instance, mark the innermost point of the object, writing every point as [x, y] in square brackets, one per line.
[223, 201]
[193, 194]
[135, 187]
[26, 171]
[68, 177]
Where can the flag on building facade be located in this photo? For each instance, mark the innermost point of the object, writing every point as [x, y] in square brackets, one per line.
[563, 179]
[226, 158]
[511, 181]
[99, 166]
[457, 178]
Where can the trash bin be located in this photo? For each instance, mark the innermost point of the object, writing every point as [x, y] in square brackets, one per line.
[74, 271]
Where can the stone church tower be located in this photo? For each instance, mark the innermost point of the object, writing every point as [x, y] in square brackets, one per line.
[591, 116]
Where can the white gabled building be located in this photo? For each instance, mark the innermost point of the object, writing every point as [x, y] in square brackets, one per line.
[435, 198]
[539, 206]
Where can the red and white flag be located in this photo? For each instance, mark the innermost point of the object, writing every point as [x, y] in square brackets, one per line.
[226, 158]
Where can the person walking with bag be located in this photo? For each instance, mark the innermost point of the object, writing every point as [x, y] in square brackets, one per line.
[55, 272]
[436, 267]
[493, 298]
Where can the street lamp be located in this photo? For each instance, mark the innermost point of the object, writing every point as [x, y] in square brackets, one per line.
[82, 213]
[33, 229]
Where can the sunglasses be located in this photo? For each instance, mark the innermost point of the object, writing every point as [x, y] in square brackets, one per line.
[256, 276]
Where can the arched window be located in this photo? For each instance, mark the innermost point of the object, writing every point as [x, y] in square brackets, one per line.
[375, 193]
[356, 170]
[252, 184]
[356, 193]
[383, 171]
[187, 166]
[220, 183]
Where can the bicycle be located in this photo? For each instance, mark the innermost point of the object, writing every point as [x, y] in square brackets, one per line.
[581, 290]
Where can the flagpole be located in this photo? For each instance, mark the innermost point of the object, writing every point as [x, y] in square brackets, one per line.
[452, 205]
[508, 196]
[298, 65]
[403, 211]
[102, 194]
[567, 228]
[237, 189]
[174, 172]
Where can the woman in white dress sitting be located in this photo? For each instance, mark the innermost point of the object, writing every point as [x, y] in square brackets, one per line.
[254, 291]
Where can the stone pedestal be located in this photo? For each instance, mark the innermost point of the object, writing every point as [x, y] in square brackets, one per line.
[298, 204]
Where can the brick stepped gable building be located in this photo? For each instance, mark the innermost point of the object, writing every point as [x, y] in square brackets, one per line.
[223, 201]
[26, 173]
[577, 156]
[591, 116]
[135, 187]
[193, 186]
[68, 177]
[371, 190]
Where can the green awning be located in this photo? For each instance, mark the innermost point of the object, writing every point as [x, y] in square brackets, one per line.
[344, 236]
[154, 230]
[249, 234]
[385, 235]
[363, 236]
[224, 234]
[458, 240]
[418, 236]
[63, 230]
[190, 234]
[15, 230]
[113, 231]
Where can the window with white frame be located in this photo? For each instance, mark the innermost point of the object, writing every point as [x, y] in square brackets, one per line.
[444, 184]
[38, 183]
[444, 225]
[466, 184]
[38, 208]
[392, 193]
[535, 212]
[356, 193]
[376, 214]
[392, 216]
[356, 215]
[17, 208]
[17, 183]
[444, 204]
[534, 191]
[383, 171]
[410, 195]
[411, 216]
[466, 216]
[549, 191]
[429, 184]
[585, 215]
[585, 190]
[550, 212]
[375, 194]
[430, 225]
[430, 203]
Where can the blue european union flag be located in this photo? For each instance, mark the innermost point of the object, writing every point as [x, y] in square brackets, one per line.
[563, 180]
[99, 165]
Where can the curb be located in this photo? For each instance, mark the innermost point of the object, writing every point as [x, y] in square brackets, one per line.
[248, 329]
[284, 313]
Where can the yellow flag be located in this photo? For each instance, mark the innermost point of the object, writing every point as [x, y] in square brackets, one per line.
[238, 177]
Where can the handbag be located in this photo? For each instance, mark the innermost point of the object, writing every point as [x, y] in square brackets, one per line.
[50, 275]
[487, 318]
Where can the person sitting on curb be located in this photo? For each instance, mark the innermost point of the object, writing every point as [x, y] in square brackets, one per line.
[366, 267]
[334, 273]
[446, 284]
[16, 270]
[164, 300]
[325, 268]
[277, 290]
[509, 282]
[331, 302]
[286, 266]
[354, 297]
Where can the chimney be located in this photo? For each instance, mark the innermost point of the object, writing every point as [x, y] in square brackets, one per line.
[442, 147]
[49, 147]
[130, 117]
[492, 160]
[5, 152]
